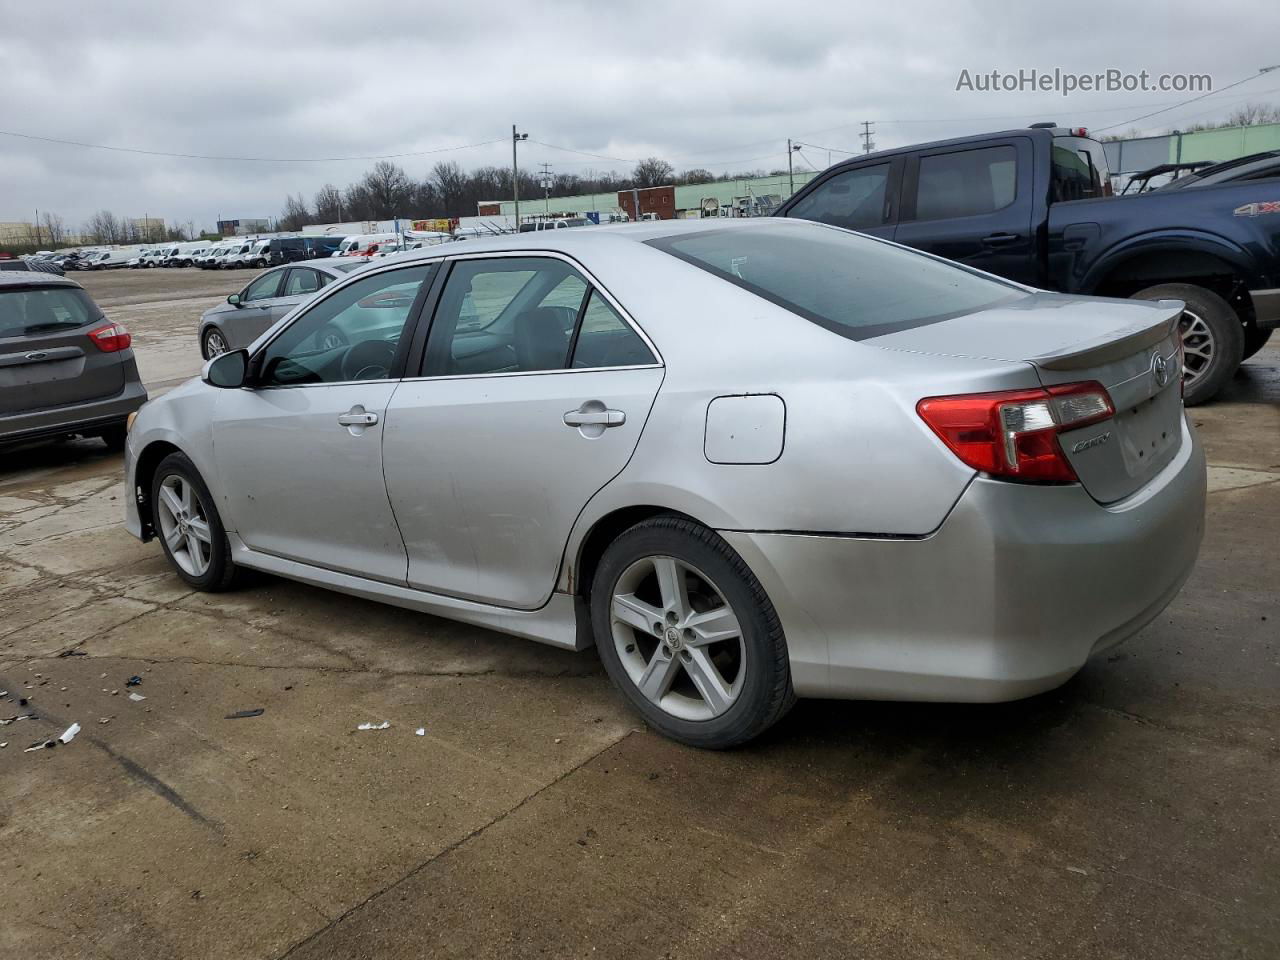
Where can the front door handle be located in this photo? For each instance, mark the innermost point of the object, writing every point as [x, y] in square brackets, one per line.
[594, 418]
[357, 418]
[1000, 239]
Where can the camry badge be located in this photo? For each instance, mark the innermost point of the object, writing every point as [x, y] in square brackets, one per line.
[1097, 441]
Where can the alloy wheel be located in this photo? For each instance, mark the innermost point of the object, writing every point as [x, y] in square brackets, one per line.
[184, 525]
[678, 638]
[214, 344]
[1197, 347]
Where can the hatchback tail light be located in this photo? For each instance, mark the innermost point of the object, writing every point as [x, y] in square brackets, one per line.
[111, 337]
[1014, 434]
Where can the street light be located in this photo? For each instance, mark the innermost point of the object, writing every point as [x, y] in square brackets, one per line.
[792, 148]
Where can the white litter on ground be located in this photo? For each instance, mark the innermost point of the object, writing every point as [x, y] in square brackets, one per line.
[421, 731]
[70, 733]
[136, 697]
[374, 726]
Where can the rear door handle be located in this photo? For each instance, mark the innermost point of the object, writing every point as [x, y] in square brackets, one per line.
[598, 418]
[1000, 239]
[353, 418]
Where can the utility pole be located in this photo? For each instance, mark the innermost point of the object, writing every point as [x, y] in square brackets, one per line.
[37, 228]
[867, 143]
[546, 189]
[515, 171]
[792, 149]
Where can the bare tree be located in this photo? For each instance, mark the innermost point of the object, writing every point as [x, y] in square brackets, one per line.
[697, 175]
[105, 227]
[54, 230]
[388, 188]
[1253, 114]
[328, 204]
[295, 215]
[652, 172]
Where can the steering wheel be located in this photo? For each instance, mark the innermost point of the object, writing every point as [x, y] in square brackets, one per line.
[330, 338]
[369, 360]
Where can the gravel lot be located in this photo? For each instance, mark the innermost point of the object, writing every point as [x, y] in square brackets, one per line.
[1132, 813]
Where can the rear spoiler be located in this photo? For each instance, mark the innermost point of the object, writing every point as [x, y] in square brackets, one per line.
[1107, 350]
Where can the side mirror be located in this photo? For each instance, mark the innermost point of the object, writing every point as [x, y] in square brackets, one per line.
[233, 299]
[227, 369]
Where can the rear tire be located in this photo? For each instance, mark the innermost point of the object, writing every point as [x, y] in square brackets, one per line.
[712, 670]
[213, 343]
[1213, 338]
[1255, 340]
[189, 527]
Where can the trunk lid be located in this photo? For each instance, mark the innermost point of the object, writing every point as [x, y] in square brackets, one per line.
[1130, 347]
[47, 358]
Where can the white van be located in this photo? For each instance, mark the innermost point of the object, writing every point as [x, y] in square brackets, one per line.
[106, 259]
[358, 246]
[237, 255]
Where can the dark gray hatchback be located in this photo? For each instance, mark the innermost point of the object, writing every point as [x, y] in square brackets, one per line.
[65, 369]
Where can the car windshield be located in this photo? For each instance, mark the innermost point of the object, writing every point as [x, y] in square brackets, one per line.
[44, 308]
[852, 285]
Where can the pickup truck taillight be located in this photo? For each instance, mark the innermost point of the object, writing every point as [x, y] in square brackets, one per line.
[1013, 434]
[111, 337]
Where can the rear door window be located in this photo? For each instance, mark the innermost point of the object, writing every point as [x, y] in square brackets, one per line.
[854, 199]
[264, 288]
[966, 183]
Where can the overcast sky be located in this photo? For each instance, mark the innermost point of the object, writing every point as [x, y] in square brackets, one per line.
[706, 84]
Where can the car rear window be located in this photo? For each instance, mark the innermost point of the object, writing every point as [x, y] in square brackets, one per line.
[853, 285]
[39, 309]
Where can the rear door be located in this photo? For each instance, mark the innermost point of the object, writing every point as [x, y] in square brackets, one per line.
[862, 198]
[532, 395]
[47, 357]
[974, 205]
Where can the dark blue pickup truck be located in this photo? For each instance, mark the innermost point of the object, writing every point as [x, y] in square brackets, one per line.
[1035, 206]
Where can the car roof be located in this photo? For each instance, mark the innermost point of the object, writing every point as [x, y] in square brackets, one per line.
[34, 278]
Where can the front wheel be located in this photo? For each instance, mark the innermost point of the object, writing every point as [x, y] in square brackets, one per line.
[215, 343]
[689, 636]
[1212, 338]
[189, 527]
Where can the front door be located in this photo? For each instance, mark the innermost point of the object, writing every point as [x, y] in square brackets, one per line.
[252, 315]
[533, 393]
[862, 198]
[299, 454]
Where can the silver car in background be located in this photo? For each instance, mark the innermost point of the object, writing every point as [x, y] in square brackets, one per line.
[264, 300]
[748, 460]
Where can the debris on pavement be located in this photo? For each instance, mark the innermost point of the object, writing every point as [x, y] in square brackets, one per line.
[3, 745]
[1080, 870]
[70, 733]
[73, 653]
[5, 721]
[242, 714]
[421, 731]
[136, 697]
[104, 719]
[41, 745]
[374, 726]
[133, 681]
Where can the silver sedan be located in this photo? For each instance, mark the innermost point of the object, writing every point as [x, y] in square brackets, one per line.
[263, 301]
[747, 460]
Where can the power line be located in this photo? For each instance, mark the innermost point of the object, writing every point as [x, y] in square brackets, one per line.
[201, 156]
[1191, 100]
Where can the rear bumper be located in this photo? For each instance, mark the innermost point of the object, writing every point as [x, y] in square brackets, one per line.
[76, 417]
[1008, 598]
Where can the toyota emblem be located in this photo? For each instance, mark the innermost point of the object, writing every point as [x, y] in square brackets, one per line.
[1160, 370]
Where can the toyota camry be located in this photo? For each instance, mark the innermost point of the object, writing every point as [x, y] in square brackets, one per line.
[747, 460]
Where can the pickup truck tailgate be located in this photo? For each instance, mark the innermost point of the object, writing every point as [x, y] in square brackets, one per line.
[1130, 347]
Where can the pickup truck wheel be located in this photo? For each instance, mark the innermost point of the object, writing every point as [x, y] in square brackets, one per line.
[1255, 340]
[1212, 338]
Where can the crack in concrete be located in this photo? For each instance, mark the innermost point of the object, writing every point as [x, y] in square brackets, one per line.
[1166, 727]
[450, 848]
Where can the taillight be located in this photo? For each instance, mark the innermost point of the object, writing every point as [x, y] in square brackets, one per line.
[111, 337]
[1014, 434]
